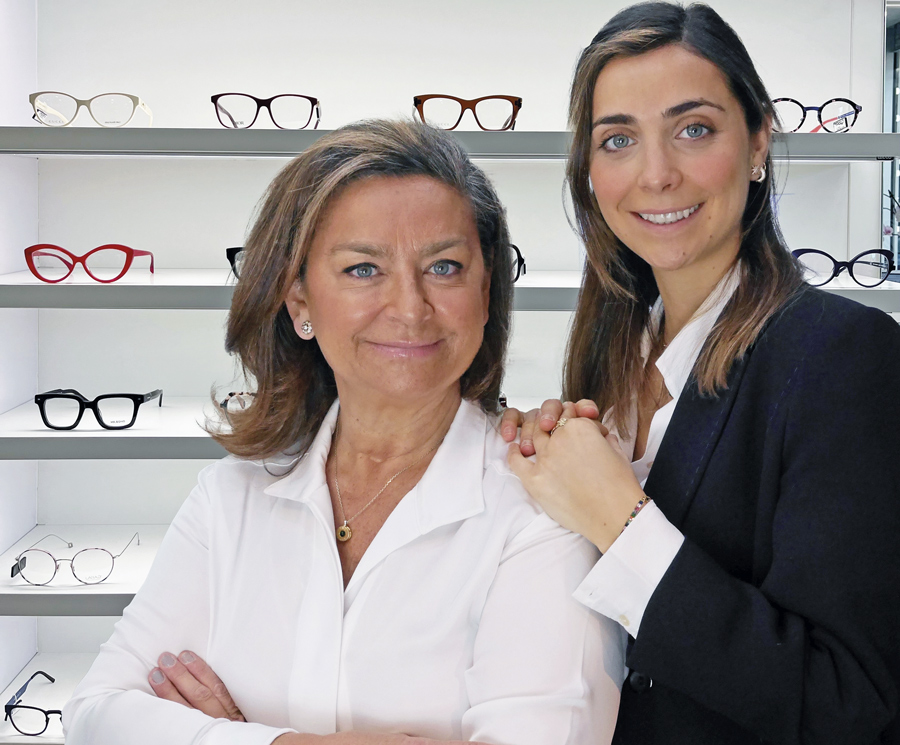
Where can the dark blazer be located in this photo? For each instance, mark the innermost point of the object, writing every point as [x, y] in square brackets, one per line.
[779, 619]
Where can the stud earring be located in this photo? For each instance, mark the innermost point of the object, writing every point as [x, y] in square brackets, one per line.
[758, 173]
[306, 328]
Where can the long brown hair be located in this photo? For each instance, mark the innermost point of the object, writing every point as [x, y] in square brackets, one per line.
[294, 384]
[603, 356]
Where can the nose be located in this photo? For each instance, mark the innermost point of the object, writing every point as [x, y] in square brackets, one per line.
[659, 167]
[408, 300]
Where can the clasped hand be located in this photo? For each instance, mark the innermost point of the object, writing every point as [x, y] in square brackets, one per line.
[579, 474]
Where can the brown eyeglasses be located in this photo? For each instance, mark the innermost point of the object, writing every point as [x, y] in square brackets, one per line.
[492, 113]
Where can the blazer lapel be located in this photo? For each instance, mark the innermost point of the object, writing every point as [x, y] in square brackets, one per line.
[688, 444]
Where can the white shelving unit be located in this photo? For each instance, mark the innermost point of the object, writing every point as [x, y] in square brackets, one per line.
[40, 167]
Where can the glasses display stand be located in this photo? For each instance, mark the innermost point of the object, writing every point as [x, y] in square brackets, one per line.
[68, 669]
[66, 596]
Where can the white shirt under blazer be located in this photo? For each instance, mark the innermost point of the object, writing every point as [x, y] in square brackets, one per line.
[458, 623]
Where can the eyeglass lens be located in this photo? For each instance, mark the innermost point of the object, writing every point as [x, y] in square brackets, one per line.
[105, 264]
[29, 720]
[111, 109]
[445, 113]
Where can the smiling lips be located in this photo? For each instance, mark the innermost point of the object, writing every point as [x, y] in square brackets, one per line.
[667, 218]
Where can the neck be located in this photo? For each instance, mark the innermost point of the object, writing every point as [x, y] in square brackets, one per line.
[393, 433]
[683, 292]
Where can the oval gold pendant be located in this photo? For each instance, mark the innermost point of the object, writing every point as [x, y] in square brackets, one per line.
[344, 533]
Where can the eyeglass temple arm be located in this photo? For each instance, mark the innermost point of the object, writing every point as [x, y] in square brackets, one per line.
[50, 535]
[153, 394]
[47, 110]
[136, 535]
[63, 259]
[17, 696]
[145, 253]
[221, 108]
[318, 115]
[147, 111]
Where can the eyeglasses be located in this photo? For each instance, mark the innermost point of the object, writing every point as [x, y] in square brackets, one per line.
[869, 268]
[287, 111]
[235, 257]
[90, 566]
[518, 267]
[29, 720]
[835, 115]
[236, 401]
[492, 113]
[57, 109]
[107, 263]
[63, 408]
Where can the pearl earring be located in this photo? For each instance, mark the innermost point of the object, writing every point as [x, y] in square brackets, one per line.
[758, 173]
[306, 328]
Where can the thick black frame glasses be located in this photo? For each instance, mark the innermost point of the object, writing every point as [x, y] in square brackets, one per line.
[28, 714]
[518, 268]
[96, 563]
[823, 267]
[286, 110]
[59, 404]
[235, 256]
[831, 120]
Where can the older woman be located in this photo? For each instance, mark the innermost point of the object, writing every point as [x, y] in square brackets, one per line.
[746, 498]
[369, 565]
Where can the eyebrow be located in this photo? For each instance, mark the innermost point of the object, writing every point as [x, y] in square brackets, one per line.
[670, 113]
[379, 251]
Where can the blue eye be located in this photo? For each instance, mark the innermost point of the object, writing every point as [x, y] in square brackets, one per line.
[446, 268]
[616, 142]
[695, 131]
[362, 271]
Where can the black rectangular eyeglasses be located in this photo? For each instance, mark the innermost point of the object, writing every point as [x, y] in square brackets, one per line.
[29, 720]
[63, 408]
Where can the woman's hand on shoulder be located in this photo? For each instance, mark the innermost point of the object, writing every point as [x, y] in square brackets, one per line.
[188, 680]
[543, 420]
[580, 476]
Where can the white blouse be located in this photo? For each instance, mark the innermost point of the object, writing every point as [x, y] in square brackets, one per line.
[458, 622]
[621, 583]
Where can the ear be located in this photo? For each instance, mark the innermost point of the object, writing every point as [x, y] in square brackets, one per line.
[759, 143]
[298, 310]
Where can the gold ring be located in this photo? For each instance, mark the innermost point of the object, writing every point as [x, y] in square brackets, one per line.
[560, 423]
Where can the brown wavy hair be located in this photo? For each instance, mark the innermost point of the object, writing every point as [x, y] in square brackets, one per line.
[294, 384]
[603, 355]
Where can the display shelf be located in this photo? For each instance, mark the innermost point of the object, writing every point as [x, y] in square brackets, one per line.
[211, 289]
[191, 289]
[68, 669]
[885, 297]
[244, 143]
[271, 143]
[65, 595]
[171, 431]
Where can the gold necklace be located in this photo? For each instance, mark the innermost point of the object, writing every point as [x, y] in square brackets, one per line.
[344, 533]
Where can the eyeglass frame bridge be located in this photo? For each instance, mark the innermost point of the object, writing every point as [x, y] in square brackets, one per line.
[466, 103]
[839, 266]
[130, 253]
[84, 403]
[17, 567]
[266, 103]
[13, 703]
[857, 110]
[136, 102]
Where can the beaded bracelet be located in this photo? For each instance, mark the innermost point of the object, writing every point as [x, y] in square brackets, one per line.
[638, 507]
